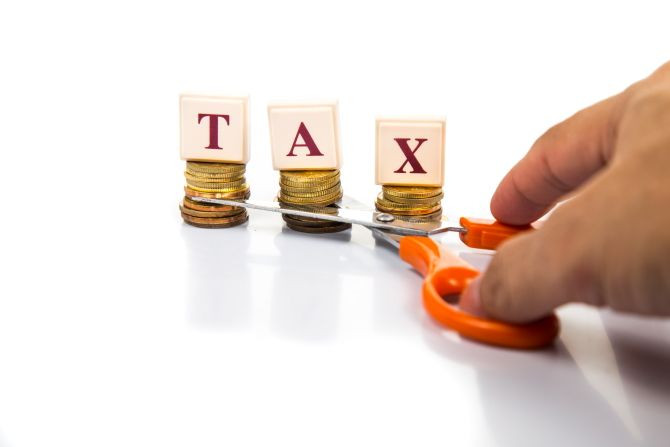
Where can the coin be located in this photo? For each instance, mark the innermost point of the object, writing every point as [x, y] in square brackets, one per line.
[309, 176]
[415, 202]
[225, 178]
[408, 211]
[241, 194]
[323, 200]
[214, 180]
[214, 168]
[217, 186]
[325, 229]
[215, 222]
[214, 175]
[312, 191]
[316, 186]
[203, 206]
[232, 189]
[412, 192]
[309, 184]
[401, 206]
[307, 193]
[196, 213]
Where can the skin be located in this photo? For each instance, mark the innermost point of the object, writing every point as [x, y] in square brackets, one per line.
[609, 245]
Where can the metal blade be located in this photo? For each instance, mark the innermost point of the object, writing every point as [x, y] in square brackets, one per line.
[350, 213]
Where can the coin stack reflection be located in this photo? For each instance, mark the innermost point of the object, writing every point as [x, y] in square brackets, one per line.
[311, 190]
[214, 181]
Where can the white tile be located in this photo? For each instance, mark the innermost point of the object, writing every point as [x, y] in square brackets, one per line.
[214, 128]
[304, 136]
[410, 151]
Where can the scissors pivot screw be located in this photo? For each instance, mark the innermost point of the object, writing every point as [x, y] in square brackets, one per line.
[385, 217]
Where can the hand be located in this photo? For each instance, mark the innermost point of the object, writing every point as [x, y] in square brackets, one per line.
[609, 245]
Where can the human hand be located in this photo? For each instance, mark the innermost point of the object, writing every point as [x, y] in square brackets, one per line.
[610, 244]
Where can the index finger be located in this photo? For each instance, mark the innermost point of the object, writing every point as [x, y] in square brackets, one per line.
[558, 162]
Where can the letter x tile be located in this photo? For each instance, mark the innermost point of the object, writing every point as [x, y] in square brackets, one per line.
[304, 136]
[214, 128]
[410, 151]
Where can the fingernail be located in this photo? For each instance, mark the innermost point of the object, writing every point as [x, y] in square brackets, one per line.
[470, 301]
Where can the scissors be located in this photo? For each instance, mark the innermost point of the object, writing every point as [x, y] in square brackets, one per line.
[444, 272]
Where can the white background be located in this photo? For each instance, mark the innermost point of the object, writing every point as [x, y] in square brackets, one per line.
[121, 326]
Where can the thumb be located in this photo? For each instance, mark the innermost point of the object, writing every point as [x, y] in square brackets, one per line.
[534, 273]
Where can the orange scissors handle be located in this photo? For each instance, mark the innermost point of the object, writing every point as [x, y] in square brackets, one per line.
[447, 274]
[488, 234]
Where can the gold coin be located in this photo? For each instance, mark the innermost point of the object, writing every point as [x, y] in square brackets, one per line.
[308, 176]
[408, 211]
[309, 186]
[311, 193]
[324, 200]
[412, 192]
[414, 202]
[225, 173]
[214, 168]
[308, 198]
[402, 206]
[216, 186]
[203, 206]
[309, 183]
[213, 178]
[196, 213]
[241, 194]
[237, 187]
[215, 222]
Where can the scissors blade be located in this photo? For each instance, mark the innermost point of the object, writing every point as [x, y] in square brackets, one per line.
[348, 211]
[391, 239]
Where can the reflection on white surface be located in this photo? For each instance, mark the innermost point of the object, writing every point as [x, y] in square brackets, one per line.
[584, 336]
[298, 331]
[305, 295]
[219, 285]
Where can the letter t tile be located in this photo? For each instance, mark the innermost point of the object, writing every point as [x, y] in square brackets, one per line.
[214, 128]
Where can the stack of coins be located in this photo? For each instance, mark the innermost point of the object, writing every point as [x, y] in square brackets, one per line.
[312, 191]
[420, 203]
[214, 181]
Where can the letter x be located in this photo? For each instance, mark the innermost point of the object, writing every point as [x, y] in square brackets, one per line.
[410, 156]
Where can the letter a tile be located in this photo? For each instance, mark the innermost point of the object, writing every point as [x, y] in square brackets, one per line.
[214, 128]
[410, 151]
[304, 136]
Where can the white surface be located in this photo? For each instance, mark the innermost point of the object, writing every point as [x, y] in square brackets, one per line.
[121, 326]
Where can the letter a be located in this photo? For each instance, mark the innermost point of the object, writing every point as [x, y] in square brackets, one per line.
[308, 142]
